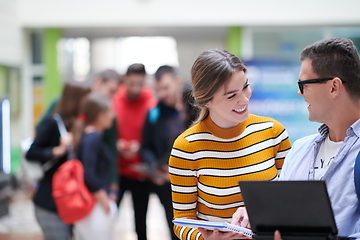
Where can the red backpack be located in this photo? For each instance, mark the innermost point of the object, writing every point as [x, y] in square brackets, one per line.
[72, 198]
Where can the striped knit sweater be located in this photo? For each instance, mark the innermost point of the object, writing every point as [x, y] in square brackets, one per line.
[207, 162]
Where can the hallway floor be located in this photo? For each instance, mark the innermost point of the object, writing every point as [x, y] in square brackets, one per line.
[21, 223]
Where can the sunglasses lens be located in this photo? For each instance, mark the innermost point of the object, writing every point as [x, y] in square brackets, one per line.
[300, 87]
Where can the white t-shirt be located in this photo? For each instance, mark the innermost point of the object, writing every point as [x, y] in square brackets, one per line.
[326, 154]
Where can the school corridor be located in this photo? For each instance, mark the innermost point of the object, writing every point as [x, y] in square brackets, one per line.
[21, 223]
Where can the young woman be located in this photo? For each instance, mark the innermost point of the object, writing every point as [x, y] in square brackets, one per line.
[225, 145]
[47, 146]
[97, 115]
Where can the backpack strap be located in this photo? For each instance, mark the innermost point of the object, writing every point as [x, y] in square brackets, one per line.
[62, 130]
[61, 124]
[154, 114]
[357, 175]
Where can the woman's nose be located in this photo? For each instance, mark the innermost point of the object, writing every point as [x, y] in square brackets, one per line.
[243, 99]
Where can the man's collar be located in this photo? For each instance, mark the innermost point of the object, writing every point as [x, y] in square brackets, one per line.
[323, 130]
[353, 129]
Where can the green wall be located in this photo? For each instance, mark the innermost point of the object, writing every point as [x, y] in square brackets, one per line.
[233, 40]
[3, 81]
[52, 78]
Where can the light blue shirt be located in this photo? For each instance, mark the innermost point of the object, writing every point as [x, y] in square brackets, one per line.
[300, 163]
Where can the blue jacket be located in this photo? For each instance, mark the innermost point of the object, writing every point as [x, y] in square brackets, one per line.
[96, 158]
[299, 165]
[162, 126]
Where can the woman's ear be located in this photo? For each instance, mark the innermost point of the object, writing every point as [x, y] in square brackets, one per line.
[207, 104]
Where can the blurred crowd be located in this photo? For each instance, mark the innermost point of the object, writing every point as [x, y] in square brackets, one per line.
[122, 131]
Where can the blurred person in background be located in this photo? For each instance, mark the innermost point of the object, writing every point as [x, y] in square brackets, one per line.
[105, 83]
[163, 124]
[48, 145]
[131, 103]
[190, 111]
[98, 115]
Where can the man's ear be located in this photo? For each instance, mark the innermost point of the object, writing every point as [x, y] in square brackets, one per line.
[336, 86]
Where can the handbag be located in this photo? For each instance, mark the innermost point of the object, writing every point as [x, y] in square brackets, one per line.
[33, 170]
[72, 198]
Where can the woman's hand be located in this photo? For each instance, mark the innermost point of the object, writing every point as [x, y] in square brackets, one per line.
[62, 148]
[103, 199]
[240, 218]
[128, 149]
[114, 189]
[218, 235]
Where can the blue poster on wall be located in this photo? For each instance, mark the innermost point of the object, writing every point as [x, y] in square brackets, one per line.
[274, 94]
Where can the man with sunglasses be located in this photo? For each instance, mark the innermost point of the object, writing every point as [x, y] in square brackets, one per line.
[329, 82]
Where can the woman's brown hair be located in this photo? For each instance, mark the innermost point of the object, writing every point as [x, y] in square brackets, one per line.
[210, 71]
[69, 108]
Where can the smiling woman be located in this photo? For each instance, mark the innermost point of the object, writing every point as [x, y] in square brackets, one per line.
[224, 146]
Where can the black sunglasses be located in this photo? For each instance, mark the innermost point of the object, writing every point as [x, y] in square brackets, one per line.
[315, 80]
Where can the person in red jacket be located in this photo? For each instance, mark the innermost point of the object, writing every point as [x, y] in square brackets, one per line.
[132, 103]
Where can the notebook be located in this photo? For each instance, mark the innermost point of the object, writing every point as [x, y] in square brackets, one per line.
[299, 209]
[221, 226]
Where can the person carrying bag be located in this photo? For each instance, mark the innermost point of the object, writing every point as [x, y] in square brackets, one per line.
[49, 145]
[72, 198]
[96, 158]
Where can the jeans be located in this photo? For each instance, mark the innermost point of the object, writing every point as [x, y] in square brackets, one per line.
[52, 226]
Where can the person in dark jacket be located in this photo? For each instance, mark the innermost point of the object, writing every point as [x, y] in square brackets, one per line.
[163, 124]
[49, 146]
[95, 155]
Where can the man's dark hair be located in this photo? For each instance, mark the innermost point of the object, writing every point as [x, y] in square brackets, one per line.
[164, 70]
[336, 57]
[136, 68]
[109, 74]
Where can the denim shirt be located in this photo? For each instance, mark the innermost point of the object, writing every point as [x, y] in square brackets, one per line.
[300, 163]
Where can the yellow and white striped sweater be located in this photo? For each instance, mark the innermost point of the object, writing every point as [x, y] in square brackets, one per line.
[207, 162]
